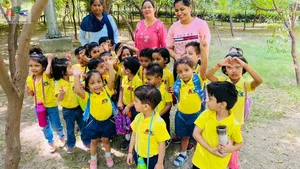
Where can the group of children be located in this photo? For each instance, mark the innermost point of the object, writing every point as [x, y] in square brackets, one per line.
[116, 78]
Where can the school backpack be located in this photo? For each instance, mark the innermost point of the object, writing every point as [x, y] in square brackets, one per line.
[198, 88]
[248, 103]
[122, 124]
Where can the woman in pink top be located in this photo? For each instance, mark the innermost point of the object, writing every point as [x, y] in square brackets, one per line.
[150, 32]
[186, 29]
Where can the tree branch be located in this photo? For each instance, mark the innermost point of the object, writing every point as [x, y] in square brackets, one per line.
[2, 11]
[24, 42]
[5, 81]
[258, 7]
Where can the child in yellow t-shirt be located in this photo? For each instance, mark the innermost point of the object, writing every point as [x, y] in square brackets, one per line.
[149, 129]
[100, 115]
[40, 85]
[154, 75]
[192, 50]
[129, 83]
[145, 59]
[210, 152]
[72, 112]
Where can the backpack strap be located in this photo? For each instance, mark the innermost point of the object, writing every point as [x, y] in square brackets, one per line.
[43, 86]
[200, 91]
[87, 110]
[176, 87]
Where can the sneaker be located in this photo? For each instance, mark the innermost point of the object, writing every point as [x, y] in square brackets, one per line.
[93, 164]
[180, 160]
[168, 143]
[190, 147]
[125, 145]
[176, 140]
[87, 147]
[109, 162]
[70, 150]
[51, 148]
[62, 142]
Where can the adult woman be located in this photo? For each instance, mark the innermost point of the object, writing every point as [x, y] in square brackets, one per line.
[97, 24]
[186, 29]
[150, 32]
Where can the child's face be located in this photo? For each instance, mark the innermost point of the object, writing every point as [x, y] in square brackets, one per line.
[95, 53]
[145, 61]
[125, 54]
[153, 80]
[191, 53]
[95, 83]
[212, 103]
[234, 70]
[139, 106]
[157, 58]
[69, 71]
[81, 61]
[185, 72]
[35, 68]
[124, 71]
[101, 68]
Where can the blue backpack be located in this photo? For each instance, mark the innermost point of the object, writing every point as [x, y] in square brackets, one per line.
[199, 90]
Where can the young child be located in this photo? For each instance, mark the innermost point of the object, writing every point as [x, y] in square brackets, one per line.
[100, 118]
[234, 66]
[154, 76]
[72, 112]
[100, 66]
[81, 60]
[122, 52]
[192, 50]
[93, 50]
[40, 85]
[129, 83]
[189, 91]
[162, 57]
[210, 154]
[145, 59]
[149, 129]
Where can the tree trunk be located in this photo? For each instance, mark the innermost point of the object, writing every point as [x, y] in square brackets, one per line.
[217, 31]
[12, 47]
[294, 55]
[254, 19]
[171, 14]
[245, 20]
[12, 131]
[129, 27]
[78, 11]
[231, 26]
[74, 21]
[118, 15]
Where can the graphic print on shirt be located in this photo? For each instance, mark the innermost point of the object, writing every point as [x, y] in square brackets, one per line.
[183, 39]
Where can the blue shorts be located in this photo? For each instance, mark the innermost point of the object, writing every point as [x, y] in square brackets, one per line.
[97, 129]
[184, 123]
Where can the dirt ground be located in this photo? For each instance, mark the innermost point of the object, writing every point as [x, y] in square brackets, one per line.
[272, 143]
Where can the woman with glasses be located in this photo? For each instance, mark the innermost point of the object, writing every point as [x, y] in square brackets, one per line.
[150, 32]
[97, 24]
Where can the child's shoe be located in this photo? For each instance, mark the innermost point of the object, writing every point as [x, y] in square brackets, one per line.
[180, 160]
[87, 147]
[93, 164]
[51, 148]
[176, 140]
[62, 142]
[70, 150]
[190, 147]
[109, 162]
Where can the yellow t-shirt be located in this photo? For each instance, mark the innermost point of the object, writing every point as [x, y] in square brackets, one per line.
[129, 87]
[168, 78]
[238, 108]
[207, 122]
[158, 134]
[119, 72]
[189, 101]
[166, 97]
[82, 69]
[50, 98]
[100, 104]
[197, 68]
[142, 74]
[70, 97]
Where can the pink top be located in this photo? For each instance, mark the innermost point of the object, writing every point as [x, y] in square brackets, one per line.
[153, 36]
[179, 35]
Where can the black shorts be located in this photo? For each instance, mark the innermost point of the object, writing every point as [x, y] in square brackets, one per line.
[97, 129]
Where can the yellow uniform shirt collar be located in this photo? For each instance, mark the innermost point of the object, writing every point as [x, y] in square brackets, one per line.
[239, 84]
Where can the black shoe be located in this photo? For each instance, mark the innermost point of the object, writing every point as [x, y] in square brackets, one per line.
[190, 147]
[125, 145]
[176, 140]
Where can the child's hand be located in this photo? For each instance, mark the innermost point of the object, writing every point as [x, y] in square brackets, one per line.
[120, 106]
[243, 64]
[62, 91]
[28, 91]
[126, 110]
[50, 57]
[111, 61]
[225, 61]
[120, 50]
[159, 166]
[216, 152]
[76, 72]
[129, 159]
[171, 90]
[82, 53]
[203, 44]
[226, 148]
[69, 56]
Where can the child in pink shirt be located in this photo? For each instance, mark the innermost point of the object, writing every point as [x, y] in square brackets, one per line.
[150, 32]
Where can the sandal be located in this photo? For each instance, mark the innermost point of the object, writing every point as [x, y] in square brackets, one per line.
[180, 160]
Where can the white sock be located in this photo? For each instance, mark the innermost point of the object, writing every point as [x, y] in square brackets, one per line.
[183, 153]
[127, 137]
[94, 157]
[107, 154]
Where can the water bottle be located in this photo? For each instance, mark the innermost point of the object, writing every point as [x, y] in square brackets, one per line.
[141, 163]
[41, 114]
[222, 133]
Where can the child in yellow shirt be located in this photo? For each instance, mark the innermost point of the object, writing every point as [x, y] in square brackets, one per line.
[145, 59]
[149, 130]
[154, 77]
[72, 112]
[210, 152]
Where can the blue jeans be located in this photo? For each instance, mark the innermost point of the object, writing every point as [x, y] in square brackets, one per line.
[71, 116]
[53, 122]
